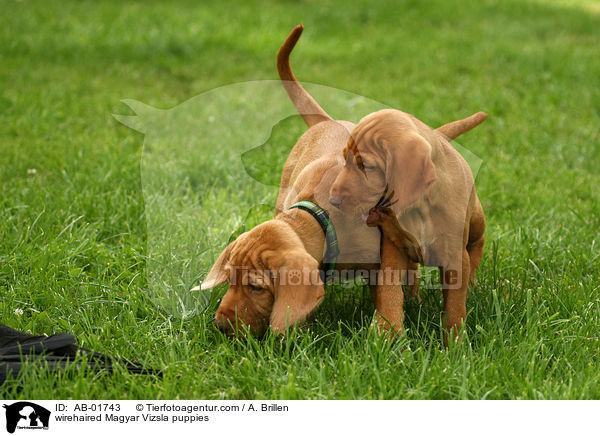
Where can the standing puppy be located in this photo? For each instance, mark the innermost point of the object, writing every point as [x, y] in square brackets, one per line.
[434, 196]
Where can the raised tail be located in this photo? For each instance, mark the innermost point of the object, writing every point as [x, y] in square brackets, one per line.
[307, 107]
[456, 128]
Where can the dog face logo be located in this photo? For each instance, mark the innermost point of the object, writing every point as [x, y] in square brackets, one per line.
[235, 138]
[26, 415]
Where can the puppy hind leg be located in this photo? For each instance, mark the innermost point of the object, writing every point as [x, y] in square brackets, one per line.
[475, 253]
[455, 281]
[411, 278]
[476, 239]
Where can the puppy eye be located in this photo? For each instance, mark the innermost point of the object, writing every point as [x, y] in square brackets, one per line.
[255, 288]
[370, 167]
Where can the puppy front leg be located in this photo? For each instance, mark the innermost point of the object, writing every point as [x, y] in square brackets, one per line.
[389, 295]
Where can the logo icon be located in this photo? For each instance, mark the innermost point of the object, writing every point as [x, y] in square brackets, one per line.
[26, 415]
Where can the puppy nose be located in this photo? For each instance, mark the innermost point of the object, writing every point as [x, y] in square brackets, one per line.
[221, 323]
[335, 201]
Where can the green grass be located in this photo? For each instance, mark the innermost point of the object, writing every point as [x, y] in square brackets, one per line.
[76, 234]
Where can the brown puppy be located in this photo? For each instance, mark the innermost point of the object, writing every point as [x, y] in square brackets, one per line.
[435, 198]
[272, 272]
[263, 265]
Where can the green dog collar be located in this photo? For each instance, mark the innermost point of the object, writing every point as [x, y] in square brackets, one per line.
[332, 252]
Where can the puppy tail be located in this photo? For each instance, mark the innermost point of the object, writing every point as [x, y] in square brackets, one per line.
[307, 107]
[456, 128]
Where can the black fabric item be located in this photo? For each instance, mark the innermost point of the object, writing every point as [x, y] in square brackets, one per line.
[18, 349]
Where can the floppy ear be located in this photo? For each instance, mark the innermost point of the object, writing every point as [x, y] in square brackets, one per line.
[217, 273]
[298, 292]
[409, 170]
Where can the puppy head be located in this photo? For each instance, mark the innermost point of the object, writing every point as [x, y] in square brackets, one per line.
[272, 280]
[385, 150]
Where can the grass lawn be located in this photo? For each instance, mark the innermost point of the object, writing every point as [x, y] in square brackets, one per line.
[77, 226]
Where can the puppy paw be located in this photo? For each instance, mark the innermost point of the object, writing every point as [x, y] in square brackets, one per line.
[379, 216]
[385, 328]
